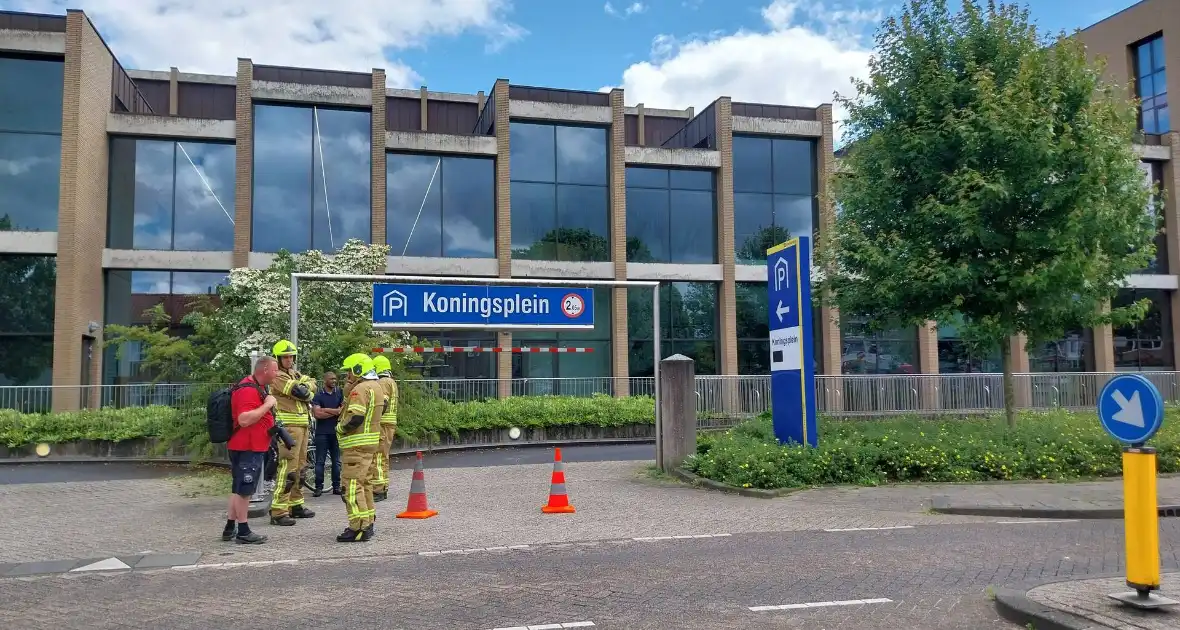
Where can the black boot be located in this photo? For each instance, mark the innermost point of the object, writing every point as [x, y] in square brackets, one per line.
[227, 534]
[350, 535]
[284, 520]
[380, 496]
[317, 492]
[369, 533]
[301, 512]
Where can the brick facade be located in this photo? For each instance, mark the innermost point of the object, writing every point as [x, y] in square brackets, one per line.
[244, 185]
[620, 364]
[727, 359]
[377, 159]
[503, 220]
[81, 212]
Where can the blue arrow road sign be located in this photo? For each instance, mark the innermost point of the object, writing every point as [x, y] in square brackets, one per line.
[1130, 408]
[457, 306]
[792, 366]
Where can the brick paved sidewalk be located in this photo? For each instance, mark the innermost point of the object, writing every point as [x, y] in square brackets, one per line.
[1090, 499]
[1085, 605]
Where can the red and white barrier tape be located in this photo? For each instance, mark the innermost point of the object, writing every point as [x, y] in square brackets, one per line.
[422, 349]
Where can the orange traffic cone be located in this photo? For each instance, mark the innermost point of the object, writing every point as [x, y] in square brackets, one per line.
[416, 507]
[559, 502]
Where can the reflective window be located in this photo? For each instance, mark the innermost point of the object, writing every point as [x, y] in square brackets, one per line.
[1151, 86]
[588, 368]
[132, 296]
[893, 351]
[1152, 177]
[461, 365]
[560, 197]
[753, 331]
[30, 141]
[440, 206]
[956, 355]
[1147, 345]
[688, 325]
[774, 185]
[657, 200]
[26, 319]
[1074, 352]
[171, 195]
[311, 178]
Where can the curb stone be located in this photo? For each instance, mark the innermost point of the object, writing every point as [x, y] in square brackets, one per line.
[942, 505]
[133, 562]
[1015, 606]
[709, 484]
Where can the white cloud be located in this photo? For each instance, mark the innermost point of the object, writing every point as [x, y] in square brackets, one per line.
[209, 35]
[628, 11]
[804, 52]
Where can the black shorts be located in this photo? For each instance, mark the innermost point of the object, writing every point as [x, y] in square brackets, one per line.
[246, 467]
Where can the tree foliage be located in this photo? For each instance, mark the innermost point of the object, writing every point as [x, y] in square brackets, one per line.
[990, 174]
[254, 313]
[28, 284]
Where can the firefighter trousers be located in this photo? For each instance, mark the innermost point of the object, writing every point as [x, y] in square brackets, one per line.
[355, 488]
[288, 490]
[379, 472]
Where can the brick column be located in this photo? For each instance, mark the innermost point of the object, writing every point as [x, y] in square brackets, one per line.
[1104, 346]
[1020, 367]
[244, 186]
[503, 222]
[727, 295]
[82, 212]
[928, 364]
[620, 364]
[377, 160]
[829, 319]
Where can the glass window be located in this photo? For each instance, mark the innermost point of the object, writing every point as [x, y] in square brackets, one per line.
[1147, 345]
[753, 331]
[560, 198]
[171, 195]
[893, 351]
[1074, 352]
[30, 142]
[587, 369]
[440, 206]
[955, 355]
[671, 216]
[311, 178]
[1152, 176]
[27, 293]
[774, 194]
[130, 295]
[688, 325]
[1151, 86]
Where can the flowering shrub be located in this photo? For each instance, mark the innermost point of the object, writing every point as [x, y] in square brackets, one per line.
[1044, 445]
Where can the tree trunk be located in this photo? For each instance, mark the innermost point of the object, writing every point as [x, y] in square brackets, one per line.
[1008, 385]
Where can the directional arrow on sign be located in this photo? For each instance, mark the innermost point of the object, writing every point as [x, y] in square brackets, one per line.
[781, 310]
[1130, 411]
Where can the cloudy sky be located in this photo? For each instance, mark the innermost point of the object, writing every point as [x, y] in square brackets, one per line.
[665, 53]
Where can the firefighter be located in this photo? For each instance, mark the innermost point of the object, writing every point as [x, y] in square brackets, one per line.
[359, 430]
[294, 392]
[379, 477]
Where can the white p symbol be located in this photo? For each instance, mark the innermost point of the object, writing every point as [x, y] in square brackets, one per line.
[780, 274]
[395, 301]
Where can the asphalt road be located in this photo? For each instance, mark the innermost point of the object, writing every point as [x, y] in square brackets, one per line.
[934, 577]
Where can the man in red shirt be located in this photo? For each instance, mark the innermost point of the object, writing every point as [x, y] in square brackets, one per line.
[253, 411]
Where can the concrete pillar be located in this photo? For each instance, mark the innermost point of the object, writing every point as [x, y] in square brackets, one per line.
[425, 103]
[173, 91]
[244, 186]
[377, 160]
[82, 213]
[676, 433]
[1104, 347]
[620, 365]
[639, 124]
[503, 221]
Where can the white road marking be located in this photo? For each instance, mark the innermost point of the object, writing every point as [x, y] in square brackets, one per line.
[451, 552]
[551, 626]
[651, 538]
[847, 602]
[1041, 520]
[869, 529]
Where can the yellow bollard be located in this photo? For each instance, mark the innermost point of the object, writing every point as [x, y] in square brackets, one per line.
[1141, 529]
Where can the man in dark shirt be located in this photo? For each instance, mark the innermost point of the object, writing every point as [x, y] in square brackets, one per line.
[326, 407]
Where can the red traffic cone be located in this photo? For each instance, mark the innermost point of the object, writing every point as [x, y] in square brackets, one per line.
[416, 507]
[559, 502]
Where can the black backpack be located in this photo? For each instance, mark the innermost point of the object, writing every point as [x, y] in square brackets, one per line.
[219, 415]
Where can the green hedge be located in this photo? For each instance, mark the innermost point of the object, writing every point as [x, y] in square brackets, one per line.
[424, 419]
[1044, 445]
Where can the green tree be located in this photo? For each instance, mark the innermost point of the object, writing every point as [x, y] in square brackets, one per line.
[566, 244]
[990, 173]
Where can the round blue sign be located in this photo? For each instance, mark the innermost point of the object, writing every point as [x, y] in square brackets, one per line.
[1130, 408]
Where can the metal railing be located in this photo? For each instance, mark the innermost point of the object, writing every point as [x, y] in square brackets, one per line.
[722, 400]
